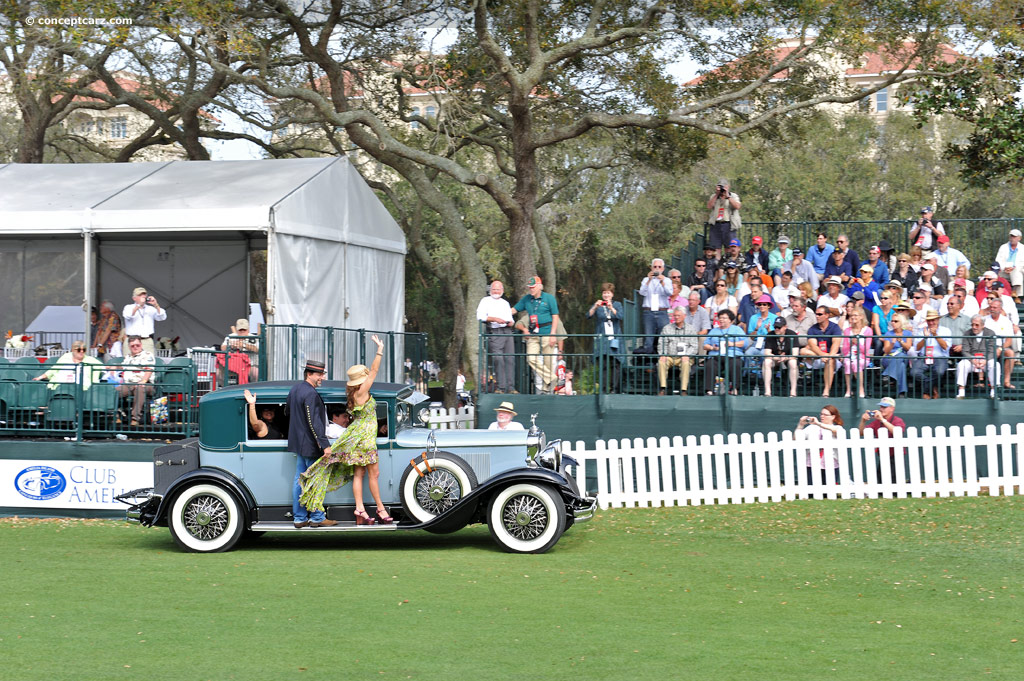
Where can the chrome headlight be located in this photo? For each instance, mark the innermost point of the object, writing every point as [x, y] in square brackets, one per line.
[551, 456]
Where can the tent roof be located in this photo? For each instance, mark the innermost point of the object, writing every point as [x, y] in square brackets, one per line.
[195, 196]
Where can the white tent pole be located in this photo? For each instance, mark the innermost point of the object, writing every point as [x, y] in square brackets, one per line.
[87, 271]
[271, 278]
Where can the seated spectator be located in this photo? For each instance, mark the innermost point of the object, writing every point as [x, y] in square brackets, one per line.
[783, 290]
[677, 347]
[1003, 328]
[880, 320]
[929, 279]
[827, 426]
[778, 350]
[338, 421]
[950, 258]
[503, 418]
[263, 426]
[835, 299]
[868, 286]
[839, 267]
[879, 270]
[751, 277]
[992, 283]
[798, 319]
[802, 270]
[756, 256]
[963, 279]
[72, 365]
[897, 348]
[820, 255]
[916, 258]
[731, 276]
[759, 326]
[1012, 268]
[940, 272]
[137, 381]
[888, 255]
[969, 302]
[732, 252]
[957, 323]
[697, 316]
[724, 346]
[711, 261]
[702, 279]
[722, 300]
[980, 352]
[749, 303]
[809, 294]
[932, 355]
[778, 258]
[823, 345]
[856, 350]
[904, 274]
[108, 330]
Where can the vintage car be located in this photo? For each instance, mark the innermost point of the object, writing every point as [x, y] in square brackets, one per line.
[214, 489]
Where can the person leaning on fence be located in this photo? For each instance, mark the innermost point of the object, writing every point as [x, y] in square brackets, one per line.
[137, 381]
[677, 347]
[496, 314]
[724, 346]
[828, 425]
[72, 366]
[979, 350]
[541, 320]
[243, 349]
[822, 350]
[609, 346]
[779, 349]
[877, 419]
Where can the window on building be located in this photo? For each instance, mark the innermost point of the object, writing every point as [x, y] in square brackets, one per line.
[882, 100]
[119, 127]
[430, 111]
[864, 104]
[84, 126]
[415, 124]
[101, 127]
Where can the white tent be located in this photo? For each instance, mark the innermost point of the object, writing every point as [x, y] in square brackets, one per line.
[76, 234]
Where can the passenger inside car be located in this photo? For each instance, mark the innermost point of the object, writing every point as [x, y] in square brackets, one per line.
[265, 420]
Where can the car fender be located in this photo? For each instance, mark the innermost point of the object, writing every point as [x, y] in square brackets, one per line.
[211, 475]
[472, 507]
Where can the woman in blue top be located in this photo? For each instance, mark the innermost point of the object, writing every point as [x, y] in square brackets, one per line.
[724, 346]
[896, 346]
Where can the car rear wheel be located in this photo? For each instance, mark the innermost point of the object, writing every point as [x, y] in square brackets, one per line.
[205, 519]
[429, 489]
[526, 518]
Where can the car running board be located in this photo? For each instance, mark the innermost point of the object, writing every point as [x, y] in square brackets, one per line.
[343, 526]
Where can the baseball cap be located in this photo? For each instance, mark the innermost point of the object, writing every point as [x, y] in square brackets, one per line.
[927, 209]
[757, 240]
[924, 287]
[943, 239]
[533, 281]
[242, 324]
[928, 266]
[1014, 232]
[783, 239]
[734, 242]
[960, 281]
[798, 251]
[989, 275]
[886, 402]
[866, 268]
[731, 265]
[858, 295]
[139, 291]
[779, 322]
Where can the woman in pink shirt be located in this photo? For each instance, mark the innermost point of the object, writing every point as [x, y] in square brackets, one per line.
[856, 347]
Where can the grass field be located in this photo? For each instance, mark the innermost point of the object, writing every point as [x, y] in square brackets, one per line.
[894, 589]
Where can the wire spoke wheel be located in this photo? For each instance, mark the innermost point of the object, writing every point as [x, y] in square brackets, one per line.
[525, 517]
[205, 517]
[436, 485]
[438, 491]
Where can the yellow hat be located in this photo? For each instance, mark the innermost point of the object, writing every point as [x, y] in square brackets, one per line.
[357, 374]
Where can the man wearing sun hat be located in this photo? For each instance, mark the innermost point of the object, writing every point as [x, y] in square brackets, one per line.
[503, 416]
[1011, 263]
[932, 354]
[307, 438]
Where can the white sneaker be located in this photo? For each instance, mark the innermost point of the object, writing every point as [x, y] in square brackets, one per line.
[961, 394]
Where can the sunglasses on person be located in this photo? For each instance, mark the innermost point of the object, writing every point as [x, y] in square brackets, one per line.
[719, 285]
[821, 314]
[764, 304]
[904, 261]
[675, 276]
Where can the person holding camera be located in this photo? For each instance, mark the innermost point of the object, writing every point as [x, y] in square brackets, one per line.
[827, 425]
[877, 419]
[609, 346]
[724, 220]
[139, 316]
[925, 232]
[656, 290]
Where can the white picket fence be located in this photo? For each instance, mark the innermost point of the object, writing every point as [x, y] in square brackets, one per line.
[772, 467]
[450, 419]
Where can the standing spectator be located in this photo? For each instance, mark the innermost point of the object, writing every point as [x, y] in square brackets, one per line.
[609, 346]
[802, 270]
[779, 349]
[883, 417]
[137, 382]
[897, 348]
[677, 347]
[541, 311]
[139, 316]
[980, 354]
[820, 254]
[798, 319]
[856, 350]
[926, 230]
[724, 221]
[823, 344]
[879, 270]
[756, 256]
[655, 289]
[722, 300]
[1006, 331]
[702, 279]
[778, 258]
[1010, 258]
[849, 255]
[932, 355]
[680, 292]
[949, 257]
[840, 267]
[108, 331]
[496, 314]
[784, 290]
[724, 346]
[828, 426]
[904, 273]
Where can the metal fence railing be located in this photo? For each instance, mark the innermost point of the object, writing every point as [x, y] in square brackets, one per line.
[871, 373]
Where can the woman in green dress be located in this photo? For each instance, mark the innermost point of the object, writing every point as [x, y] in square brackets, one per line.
[354, 453]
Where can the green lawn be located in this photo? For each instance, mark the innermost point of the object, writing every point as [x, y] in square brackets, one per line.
[895, 589]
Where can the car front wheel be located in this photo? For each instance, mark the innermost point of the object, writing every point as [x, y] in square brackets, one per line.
[526, 518]
[205, 519]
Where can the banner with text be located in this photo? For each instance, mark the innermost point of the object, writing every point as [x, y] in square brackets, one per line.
[70, 484]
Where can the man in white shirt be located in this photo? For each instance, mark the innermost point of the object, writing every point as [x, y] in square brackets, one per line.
[496, 314]
[782, 292]
[949, 257]
[1011, 264]
[835, 299]
[655, 289]
[337, 423]
[139, 316]
[1003, 327]
[503, 416]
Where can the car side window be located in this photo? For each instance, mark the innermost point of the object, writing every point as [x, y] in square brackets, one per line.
[382, 421]
[273, 415]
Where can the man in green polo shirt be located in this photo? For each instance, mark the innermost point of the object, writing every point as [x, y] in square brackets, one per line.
[541, 312]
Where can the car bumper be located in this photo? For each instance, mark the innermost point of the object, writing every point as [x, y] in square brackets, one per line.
[583, 509]
[142, 505]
